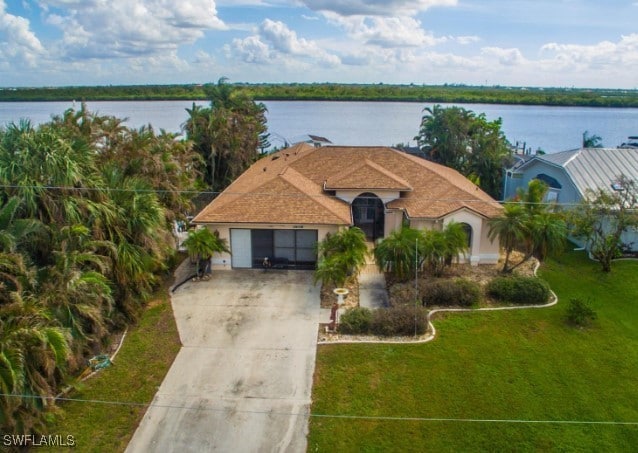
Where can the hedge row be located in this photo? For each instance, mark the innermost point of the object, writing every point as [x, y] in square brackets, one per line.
[519, 290]
[466, 293]
[394, 321]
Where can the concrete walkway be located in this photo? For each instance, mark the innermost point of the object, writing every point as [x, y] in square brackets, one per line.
[242, 381]
[372, 287]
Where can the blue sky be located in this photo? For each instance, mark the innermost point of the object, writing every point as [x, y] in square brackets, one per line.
[580, 43]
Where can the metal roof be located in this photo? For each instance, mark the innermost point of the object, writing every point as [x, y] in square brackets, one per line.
[596, 168]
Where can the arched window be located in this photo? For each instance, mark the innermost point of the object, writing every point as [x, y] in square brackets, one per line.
[551, 182]
[468, 233]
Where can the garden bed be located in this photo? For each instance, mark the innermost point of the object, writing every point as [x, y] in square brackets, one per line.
[404, 293]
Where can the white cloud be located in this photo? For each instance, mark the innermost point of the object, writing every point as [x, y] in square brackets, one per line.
[125, 28]
[387, 32]
[506, 57]
[465, 40]
[375, 7]
[623, 53]
[250, 50]
[19, 43]
[275, 39]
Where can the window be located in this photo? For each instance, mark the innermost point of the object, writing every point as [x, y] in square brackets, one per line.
[468, 233]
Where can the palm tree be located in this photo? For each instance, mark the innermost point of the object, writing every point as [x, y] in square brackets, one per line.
[134, 220]
[227, 134]
[397, 253]
[33, 354]
[341, 255]
[592, 141]
[75, 289]
[510, 228]
[201, 244]
[549, 233]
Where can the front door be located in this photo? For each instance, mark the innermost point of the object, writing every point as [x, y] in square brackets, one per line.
[368, 214]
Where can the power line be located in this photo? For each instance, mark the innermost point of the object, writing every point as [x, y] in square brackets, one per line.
[273, 194]
[334, 416]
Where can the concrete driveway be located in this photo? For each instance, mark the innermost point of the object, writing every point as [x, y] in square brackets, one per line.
[243, 378]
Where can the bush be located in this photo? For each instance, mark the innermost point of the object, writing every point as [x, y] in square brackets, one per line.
[403, 294]
[399, 321]
[580, 313]
[355, 321]
[519, 290]
[452, 292]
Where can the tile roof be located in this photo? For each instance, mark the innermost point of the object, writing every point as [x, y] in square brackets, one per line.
[288, 187]
[596, 168]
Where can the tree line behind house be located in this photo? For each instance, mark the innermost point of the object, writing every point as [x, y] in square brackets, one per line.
[447, 93]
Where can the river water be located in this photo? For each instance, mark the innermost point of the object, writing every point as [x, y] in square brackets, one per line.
[368, 123]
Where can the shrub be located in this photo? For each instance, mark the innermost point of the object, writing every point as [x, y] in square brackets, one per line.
[355, 321]
[580, 313]
[404, 293]
[399, 321]
[519, 290]
[452, 292]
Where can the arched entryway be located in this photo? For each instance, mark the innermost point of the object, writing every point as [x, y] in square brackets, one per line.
[369, 214]
[467, 229]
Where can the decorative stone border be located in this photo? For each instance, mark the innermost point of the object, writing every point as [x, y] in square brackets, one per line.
[431, 331]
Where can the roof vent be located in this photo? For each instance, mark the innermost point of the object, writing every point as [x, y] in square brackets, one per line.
[275, 157]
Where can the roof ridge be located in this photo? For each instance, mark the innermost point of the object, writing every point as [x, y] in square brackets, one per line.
[366, 162]
[446, 174]
[576, 154]
[292, 176]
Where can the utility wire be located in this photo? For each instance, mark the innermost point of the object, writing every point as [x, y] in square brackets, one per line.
[273, 194]
[334, 416]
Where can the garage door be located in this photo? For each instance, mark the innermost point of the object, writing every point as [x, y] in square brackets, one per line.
[292, 247]
[240, 246]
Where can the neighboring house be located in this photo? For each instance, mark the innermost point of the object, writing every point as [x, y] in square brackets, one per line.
[288, 201]
[314, 140]
[570, 174]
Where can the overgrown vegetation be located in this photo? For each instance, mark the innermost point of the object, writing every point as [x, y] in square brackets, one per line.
[86, 212]
[468, 142]
[228, 134]
[342, 92]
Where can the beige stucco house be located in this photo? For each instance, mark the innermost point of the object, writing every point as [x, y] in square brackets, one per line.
[287, 201]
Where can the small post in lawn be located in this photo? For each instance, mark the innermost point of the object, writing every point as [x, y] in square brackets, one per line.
[416, 280]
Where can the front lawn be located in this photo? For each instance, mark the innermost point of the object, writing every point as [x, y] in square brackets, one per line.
[509, 365]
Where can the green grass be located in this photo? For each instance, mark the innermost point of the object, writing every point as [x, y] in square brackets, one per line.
[146, 355]
[523, 365]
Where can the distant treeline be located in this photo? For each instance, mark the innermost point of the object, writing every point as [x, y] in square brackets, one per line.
[339, 92]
